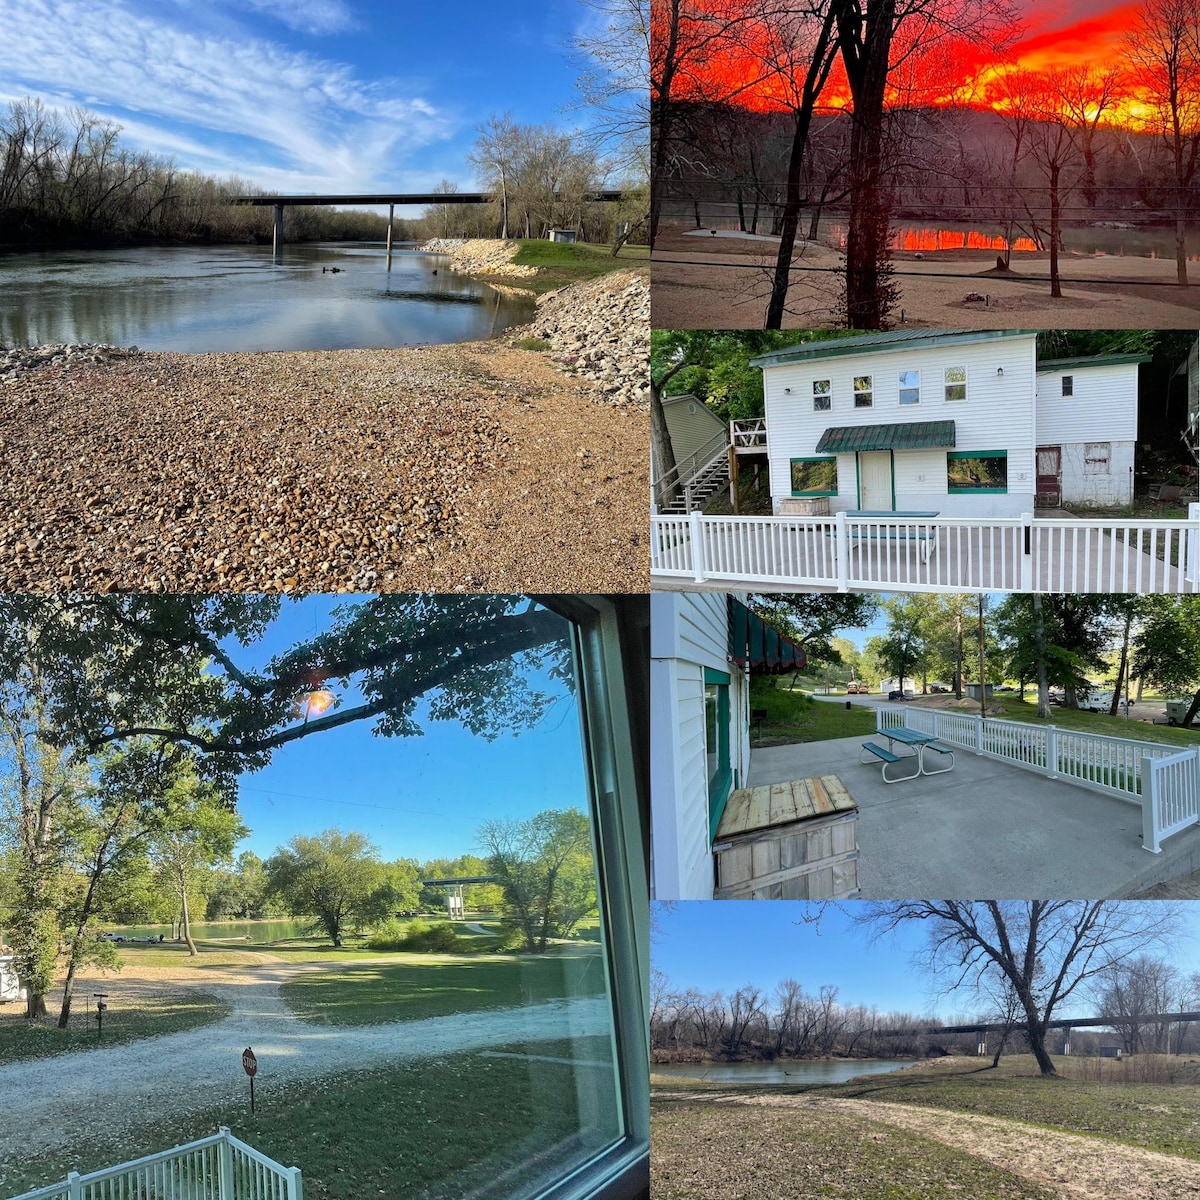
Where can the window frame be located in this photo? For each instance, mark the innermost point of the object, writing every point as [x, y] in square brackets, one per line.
[1107, 459]
[947, 385]
[868, 391]
[901, 388]
[611, 651]
[826, 395]
[1068, 385]
[981, 491]
[814, 458]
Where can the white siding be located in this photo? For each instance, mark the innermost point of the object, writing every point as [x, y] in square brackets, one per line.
[1104, 405]
[688, 632]
[998, 414]
[1083, 486]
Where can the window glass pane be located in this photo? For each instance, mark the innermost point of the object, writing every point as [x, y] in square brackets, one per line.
[822, 400]
[710, 727]
[956, 383]
[910, 387]
[1068, 385]
[814, 477]
[1096, 458]
[863, 395]
[977, 473]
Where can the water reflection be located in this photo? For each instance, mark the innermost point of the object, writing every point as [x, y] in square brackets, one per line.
[243, 298]
[822, 1070]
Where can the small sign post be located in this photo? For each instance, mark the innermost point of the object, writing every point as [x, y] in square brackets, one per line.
[101, 1007]
[250, 1066]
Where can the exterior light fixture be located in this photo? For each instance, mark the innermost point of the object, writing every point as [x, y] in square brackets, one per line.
[787, 391]
[999, 370]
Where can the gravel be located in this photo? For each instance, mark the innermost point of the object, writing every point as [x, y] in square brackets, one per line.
[469, 467]
[201, 1068]
[480, 256]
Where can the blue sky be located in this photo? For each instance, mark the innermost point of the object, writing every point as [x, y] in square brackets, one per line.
[723, 944]
[418, 797]
[300, 95]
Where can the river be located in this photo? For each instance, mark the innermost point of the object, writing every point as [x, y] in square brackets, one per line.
[818, 1070]
[322, 296]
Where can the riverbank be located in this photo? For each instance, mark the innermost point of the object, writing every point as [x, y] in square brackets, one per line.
[473, 466]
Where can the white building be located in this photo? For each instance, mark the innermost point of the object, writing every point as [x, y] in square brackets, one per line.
[959, 423]
[702, 648]
[10, 985]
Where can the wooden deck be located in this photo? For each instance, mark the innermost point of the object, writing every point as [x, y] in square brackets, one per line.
[750, 809]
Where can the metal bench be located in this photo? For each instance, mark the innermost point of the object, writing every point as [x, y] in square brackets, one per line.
[942, 750]
[889, 759]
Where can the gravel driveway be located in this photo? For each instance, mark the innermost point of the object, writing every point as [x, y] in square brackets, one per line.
[63, 1100]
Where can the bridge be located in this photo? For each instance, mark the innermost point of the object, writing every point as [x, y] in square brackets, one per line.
[391, 199]
[454, 891]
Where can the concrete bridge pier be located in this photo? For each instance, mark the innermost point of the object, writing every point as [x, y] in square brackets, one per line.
[391, 215]
[277, 233]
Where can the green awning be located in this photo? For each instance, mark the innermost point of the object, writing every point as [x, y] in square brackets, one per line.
[753, 644]
[910, 435]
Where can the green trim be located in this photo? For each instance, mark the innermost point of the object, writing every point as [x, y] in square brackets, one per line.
[877, 343]
[820, 458]
[858, 475]
[711, 676]
[719, 787]
[721, 782]
[982, 491]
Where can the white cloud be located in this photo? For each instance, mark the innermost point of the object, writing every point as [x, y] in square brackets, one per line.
[271, 114]
[307, 16]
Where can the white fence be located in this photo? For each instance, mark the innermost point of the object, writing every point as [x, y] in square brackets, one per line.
[219, 1167]
[1163, 780]
[931, 554]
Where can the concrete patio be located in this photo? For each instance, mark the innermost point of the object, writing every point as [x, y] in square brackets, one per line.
[984, 830]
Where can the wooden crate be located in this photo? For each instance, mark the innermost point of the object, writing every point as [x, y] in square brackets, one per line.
[788, 841]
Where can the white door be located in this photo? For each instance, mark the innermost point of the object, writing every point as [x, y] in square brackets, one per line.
[875, 481]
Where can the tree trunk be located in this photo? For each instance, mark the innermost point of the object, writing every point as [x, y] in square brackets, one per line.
[1039, 649]
[35, 1005]
[186, 923]
[1055, 202]
[1036, 1032]
[1122, 667]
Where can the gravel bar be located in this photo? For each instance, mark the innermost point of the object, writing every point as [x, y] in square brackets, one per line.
[471, 467]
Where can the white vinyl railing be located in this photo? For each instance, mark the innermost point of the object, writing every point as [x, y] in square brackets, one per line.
[219, 1167]
[931, 554]
[1172, 785]
[1163, 780]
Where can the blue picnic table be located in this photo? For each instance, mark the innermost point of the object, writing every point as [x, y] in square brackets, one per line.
[924, 537]
[920, 742]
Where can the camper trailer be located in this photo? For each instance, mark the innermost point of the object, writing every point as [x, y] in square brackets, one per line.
[10, 987]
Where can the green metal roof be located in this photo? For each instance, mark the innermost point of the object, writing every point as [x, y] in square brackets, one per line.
[1091, 360]
[870, 343]
[909, 435]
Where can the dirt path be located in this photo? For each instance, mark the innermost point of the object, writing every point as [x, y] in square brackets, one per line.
[73, 1097]
[1078, 1168]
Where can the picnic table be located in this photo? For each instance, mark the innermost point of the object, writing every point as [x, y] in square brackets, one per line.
[920, 742]
[927, 539]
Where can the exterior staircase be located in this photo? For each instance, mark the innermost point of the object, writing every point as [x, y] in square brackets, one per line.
[695, 480]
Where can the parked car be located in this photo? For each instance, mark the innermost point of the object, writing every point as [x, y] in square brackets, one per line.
[856, 688]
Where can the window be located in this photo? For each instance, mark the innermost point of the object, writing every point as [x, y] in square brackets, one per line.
[1068, 382]
[814, 477]
[822, 400]
[1096, 457]
[956, 383]
[977, 471]
[862, 391]
[716, 741]
[910, 387]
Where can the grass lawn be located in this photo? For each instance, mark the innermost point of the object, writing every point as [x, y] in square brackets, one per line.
[20, 1039]
[433, 985]
[710, 1151]
[1065, 718]
[1163, 1117]
[560, 263]
[432, 1128]
[792, 717]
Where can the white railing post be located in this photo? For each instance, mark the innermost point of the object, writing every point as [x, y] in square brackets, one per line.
[841, 543]
[696, 529]
[1149, 807]
[1052, 750]
[1191, 569]
[295, 1184]
[224, 1165]
[1025, 580]
[978, 735]
[74, 1190]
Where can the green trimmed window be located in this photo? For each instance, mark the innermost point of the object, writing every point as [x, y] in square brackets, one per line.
[716, 741]
[864, 396]
[814, 477]
[910, 387]
[956, 383]
[977, 471]
[822, 395]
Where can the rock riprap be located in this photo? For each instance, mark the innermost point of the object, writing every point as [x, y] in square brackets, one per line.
[480, 256]
[16, 359]
[601, 330]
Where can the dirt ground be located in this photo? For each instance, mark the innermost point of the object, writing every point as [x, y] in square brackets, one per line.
[725, 283]
[475, 467]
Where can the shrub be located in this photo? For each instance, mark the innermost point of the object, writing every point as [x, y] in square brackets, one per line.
[532, 343]
[389, 936]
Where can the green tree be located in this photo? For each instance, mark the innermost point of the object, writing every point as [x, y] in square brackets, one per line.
[812, 621]
[546, 868]
[902, 648]
[1166, 651]
[337, 879]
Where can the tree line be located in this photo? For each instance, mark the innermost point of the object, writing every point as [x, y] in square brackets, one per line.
[126, 723]
[800, 107]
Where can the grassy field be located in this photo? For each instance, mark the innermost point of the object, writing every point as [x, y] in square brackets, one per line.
[436, 985]
[1013, 709]
[707, 1151]
[792, 717]
[21, 1039]
[434, 1128]
[559, 263]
